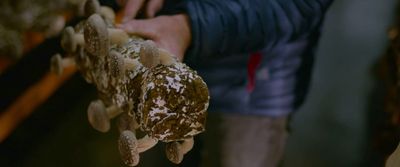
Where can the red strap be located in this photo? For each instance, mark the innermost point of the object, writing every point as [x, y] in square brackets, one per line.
[254, 62]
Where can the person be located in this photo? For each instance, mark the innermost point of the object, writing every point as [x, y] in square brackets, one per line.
[256, 58]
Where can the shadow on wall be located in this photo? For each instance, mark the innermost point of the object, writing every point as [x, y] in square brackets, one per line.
[333, 126]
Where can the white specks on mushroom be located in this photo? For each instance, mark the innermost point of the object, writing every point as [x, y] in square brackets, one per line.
[159, 102]
[150, 85]
[174, 84]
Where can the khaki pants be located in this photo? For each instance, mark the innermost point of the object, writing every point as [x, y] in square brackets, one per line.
[243, 141]
[230, 140]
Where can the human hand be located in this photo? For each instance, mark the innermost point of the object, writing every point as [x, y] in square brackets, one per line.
[168, 32]
[132, 7]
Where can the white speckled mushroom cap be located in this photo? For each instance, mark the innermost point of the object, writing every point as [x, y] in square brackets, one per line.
[173, 103]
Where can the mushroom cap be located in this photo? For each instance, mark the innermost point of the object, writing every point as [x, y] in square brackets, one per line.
[173, 103]
[128, 148]
[173, 153]
[55, 26]
[91, 7]
[149, 55]
[56, 64]
[68, 42]
[108, 13]
[96, 36]
[97, 116]
[116, 63]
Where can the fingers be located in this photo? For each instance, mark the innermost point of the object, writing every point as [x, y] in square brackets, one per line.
[143, 28]
[169, 32]
[131, 9]
[153, 7]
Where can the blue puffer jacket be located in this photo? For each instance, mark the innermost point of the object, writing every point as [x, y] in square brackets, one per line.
[226, 32]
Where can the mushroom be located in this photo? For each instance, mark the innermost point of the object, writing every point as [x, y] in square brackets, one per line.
[107, 13]
[117, 36]
[127, 121]
[70, 40]
[149, 55]
[55, 26]
[120, 64]
[130, 147]
[57, 63]
[97, 36]
[176, 150]
[93, 6]
[99, 116]
[166, 58]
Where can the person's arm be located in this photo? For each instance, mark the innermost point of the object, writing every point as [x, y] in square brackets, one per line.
[223, 27]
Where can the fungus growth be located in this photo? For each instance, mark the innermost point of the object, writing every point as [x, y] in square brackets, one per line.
[141, 84]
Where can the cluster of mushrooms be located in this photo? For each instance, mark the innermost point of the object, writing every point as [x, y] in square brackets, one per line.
[41, 16]
[144, 86]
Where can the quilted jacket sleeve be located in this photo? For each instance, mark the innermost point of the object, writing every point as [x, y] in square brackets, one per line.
[224, 27]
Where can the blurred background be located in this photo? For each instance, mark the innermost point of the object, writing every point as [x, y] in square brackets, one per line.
[344, 122]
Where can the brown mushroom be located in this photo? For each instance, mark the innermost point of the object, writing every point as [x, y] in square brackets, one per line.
[166, 58]
[176, 150]
[57, 63]
[93, 6]
[107, 13]
[97, 36]
[149, 55]
[70, 40]
[130, 147]
[120, 64]
[127, 121]
[99, 116]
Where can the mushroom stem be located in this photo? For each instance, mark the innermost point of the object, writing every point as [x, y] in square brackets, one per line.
[57, 63]
[146, 143]
[130, 63]
[70, 40]
[175, 150]
[99, 116]
[113, 111]
[80, 40]
[117, 36]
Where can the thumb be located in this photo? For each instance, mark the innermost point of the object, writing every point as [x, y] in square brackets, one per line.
[142, 28]
[131, 9]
